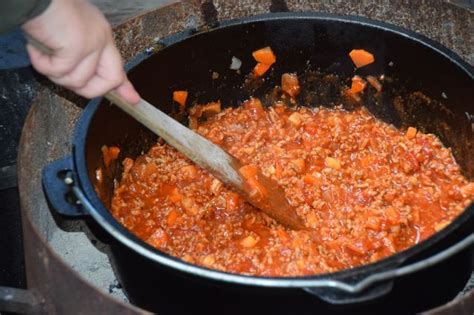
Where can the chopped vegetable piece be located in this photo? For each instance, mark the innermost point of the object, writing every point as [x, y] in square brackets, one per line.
[211, 108]
[260, 69]
[208, 261]
[206, 110]
[190, 171]
[374, 82]
[235, 64]
[411, 132]
[290, 84]
[358, 84]
[250, 174]
[255, 105]
[175, 196]
[310, 179]
[299, 165]
[333, 163]
[172, 217]
[248, 171]
[265, 56]
[109, 154]
[296, 119]
[180, 97]
[158, 239]
[189, 206]
[438, 227]
[361, 57]
[249, 241]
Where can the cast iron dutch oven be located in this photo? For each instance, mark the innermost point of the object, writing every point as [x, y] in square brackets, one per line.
[426, 86]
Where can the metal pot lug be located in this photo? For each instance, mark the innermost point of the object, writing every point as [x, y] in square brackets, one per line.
[339, 297]
[58, 180]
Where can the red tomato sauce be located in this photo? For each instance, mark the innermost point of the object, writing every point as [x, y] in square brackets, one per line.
[364, 189]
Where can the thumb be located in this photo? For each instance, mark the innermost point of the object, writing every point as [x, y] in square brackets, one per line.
[128, 92]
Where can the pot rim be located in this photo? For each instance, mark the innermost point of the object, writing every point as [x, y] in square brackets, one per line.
[105, 219]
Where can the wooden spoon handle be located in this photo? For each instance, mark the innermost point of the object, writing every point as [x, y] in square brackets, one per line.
[197, 148]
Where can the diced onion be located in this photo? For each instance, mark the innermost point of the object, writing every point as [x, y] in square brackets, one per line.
[236, 63]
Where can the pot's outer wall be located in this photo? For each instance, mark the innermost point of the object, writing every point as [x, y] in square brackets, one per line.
[48, 131]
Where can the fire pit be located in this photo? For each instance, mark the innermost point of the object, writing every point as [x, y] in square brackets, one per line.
[67, 261]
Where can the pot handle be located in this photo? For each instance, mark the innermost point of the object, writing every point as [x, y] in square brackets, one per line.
[377, 284]
[58, 179]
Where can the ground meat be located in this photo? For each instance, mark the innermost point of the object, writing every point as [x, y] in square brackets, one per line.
[364, 189]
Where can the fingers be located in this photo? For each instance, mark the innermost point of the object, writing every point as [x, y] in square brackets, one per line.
[93, 75]
[52, 66]
[109, 75]
[128, 92]
[81, 74]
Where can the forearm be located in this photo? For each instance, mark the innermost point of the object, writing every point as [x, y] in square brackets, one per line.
[16, 12]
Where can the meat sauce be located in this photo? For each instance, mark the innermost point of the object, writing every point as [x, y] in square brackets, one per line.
[364, 189]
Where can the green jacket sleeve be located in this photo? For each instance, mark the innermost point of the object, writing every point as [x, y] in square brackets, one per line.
[16, 12]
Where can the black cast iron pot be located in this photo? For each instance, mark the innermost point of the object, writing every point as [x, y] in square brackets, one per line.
[426, 86]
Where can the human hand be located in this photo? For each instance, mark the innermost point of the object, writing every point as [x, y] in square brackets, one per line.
[85, 59]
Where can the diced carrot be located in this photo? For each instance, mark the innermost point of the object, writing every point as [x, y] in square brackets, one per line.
[260, 69]
[392, 216]
[334, 244]
[256, 188]
[374, 82]
[311, 128]
[333, 163]
[249, 242]
[208, 261]
[172, 217]
[180, 97]
[282, 235]
[265, 56]
[109, 154]
[175, 196]
[358, 84]
[279, 108]
[361, 57]
[278, 170]
[353, 96]
[114, 152]
[290, 84]
[310, 179]
[248, 171]
[356, 248]
[312, 219]
[441, 225]
[411, 133]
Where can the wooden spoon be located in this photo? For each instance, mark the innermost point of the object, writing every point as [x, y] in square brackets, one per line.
[207, 155]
